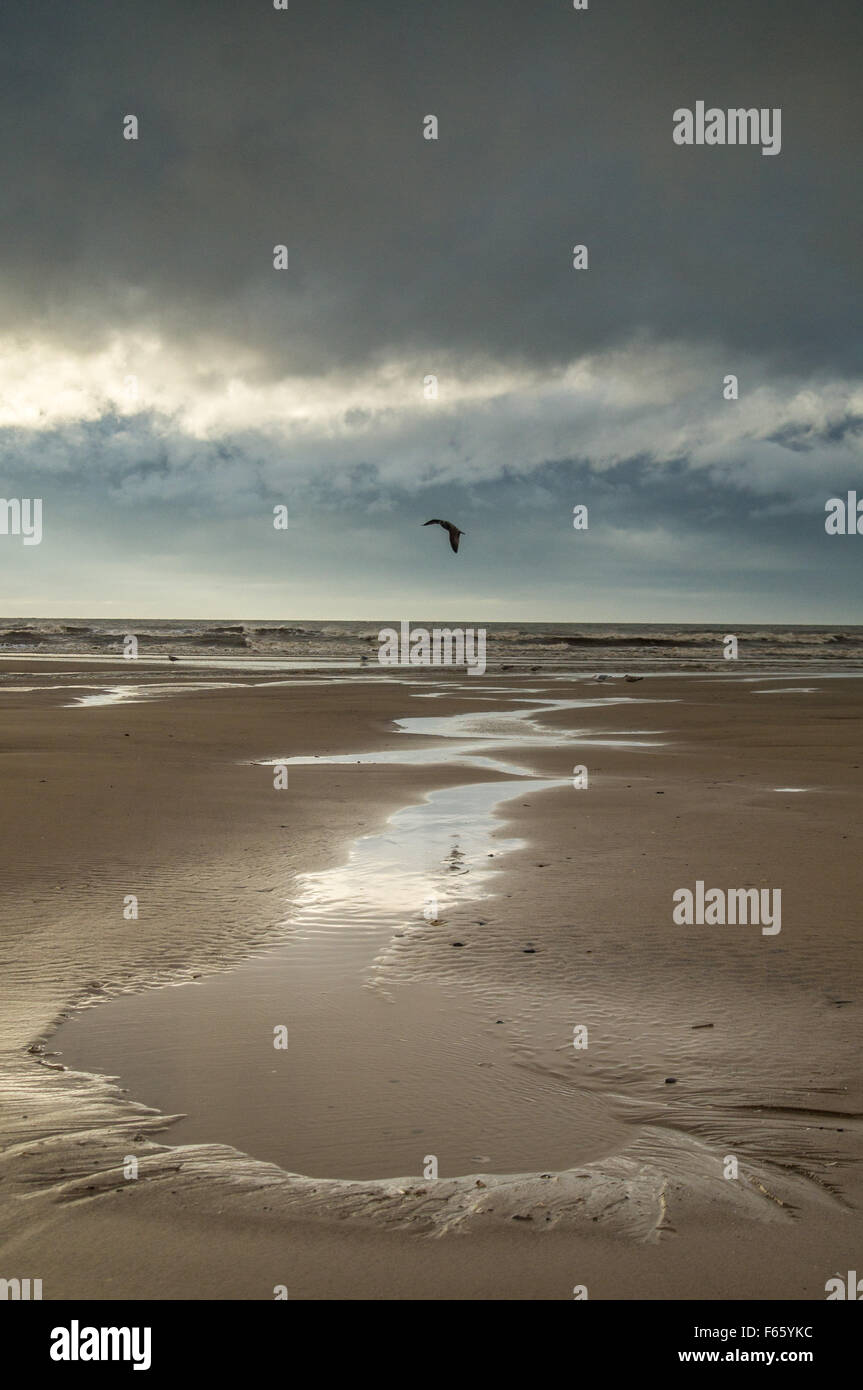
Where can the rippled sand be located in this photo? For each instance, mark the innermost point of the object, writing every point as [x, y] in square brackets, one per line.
[310, 908]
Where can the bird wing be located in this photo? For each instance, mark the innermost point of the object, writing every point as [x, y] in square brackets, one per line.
[454, 532]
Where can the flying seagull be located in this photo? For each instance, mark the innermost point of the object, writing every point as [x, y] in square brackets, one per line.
[454, 532]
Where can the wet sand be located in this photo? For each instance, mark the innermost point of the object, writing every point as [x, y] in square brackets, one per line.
[557, 1166]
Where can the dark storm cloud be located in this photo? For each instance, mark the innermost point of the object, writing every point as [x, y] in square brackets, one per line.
[259, 127]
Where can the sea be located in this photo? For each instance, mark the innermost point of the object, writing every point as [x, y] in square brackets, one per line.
[516, 646]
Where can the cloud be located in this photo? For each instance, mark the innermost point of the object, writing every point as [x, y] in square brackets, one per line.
[304, 127]
[163, 385]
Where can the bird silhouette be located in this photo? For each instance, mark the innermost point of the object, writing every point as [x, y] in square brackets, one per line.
[454, 532]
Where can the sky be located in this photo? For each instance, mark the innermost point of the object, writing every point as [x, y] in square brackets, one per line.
[163, 387]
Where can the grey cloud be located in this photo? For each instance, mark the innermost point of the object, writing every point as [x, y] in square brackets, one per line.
[803, 438]
[303, 127]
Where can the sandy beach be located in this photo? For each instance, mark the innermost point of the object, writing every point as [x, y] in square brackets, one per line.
[416, 1030]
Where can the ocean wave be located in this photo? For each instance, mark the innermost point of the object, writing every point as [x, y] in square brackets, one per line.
[544, 645]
